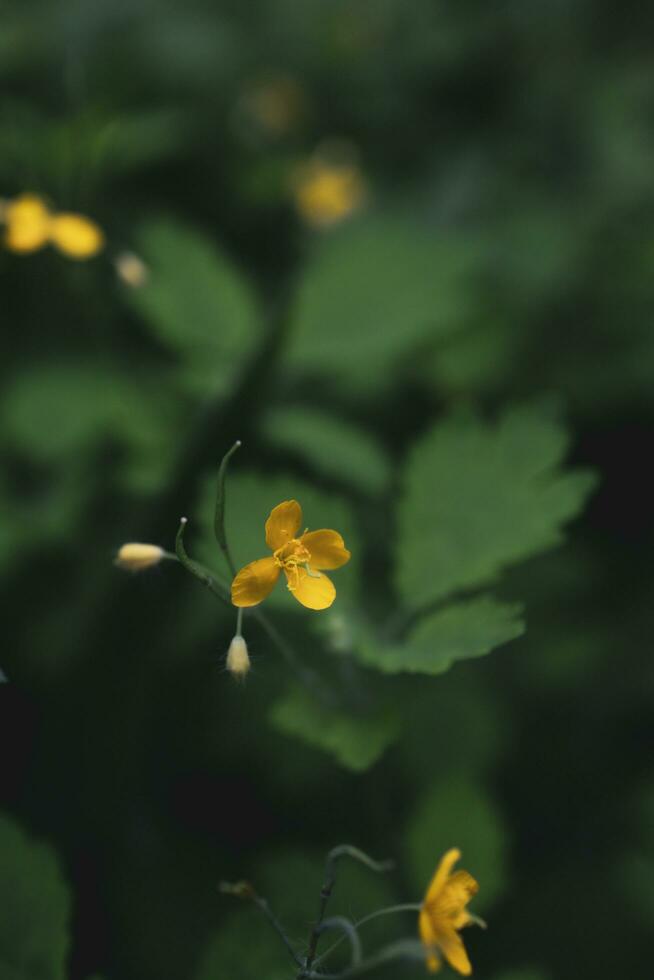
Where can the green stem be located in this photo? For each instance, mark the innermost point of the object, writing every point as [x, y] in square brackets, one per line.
[390, 910]
[219, 516]
[401, 950]
[336, 853]
[199, 571]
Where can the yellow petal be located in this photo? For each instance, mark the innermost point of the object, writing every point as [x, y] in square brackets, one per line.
[441, 875]
[76, 236]
[254, 582]
[327, 549]
[28, 224]
[454, 951]
[283, 524]
[454, 896]
[428, 939]
[315, 590]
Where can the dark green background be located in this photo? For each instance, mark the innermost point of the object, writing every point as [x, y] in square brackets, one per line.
[509, 156]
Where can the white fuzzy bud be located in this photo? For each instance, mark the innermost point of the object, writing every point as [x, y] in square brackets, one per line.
[136, 556]
[238, 659]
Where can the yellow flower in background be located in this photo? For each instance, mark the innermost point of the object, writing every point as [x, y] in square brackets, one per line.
[301, 560]
[76, 236]
[444, 912]
[326, 193]
[30, 225]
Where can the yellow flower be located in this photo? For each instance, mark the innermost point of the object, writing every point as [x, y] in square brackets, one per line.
[299, 558]
[326, 193]
[444, 911]
[30, 225]
[76, 236]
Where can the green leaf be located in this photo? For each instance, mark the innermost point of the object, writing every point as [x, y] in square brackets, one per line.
[249, 499]
[458, 632]
[197, 303]
[479, 497]
[335, 448]
[375, 290]
[357, 741]
[57, 411]
[244, 948]
[34, 929]
[459, 814]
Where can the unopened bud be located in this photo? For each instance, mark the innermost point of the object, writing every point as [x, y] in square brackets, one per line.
[131, 270]
[238, 659]
[135, 557]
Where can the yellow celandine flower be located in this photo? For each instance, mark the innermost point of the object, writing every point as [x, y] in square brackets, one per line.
[299, 558]
[326, 193]
[444, 912]
[30, 225]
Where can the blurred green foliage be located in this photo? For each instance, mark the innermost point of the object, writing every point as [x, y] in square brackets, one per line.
[448, 377]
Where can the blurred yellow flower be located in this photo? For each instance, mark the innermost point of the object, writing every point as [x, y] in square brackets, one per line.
[444, 912]
[30, 225]
[274, 104]
[299, 558]
[326, 193]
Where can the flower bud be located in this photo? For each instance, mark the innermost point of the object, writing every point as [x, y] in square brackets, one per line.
[238, 659]
[131, 270]
[135, 557]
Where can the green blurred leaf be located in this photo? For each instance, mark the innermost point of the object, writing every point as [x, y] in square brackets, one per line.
[460, 814]
[250, 498]
[197, 303]
[357, 741]
[34, 930]
[244, 948]
[375, 290]
[61, 410]
[465, 629]
[479, 497]
[335, 448]
[522, 973]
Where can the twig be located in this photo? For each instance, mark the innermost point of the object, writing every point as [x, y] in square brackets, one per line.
[243, 889]
[336, 853]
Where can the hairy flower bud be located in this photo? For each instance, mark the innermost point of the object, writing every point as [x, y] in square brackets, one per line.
[131, 270]
[238, 659]
[135, 557]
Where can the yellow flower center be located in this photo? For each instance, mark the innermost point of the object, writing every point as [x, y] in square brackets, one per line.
[290, 557]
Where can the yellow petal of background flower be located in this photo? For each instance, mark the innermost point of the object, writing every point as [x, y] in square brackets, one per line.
[448, 861]
[254, 582]
[454, 951]
[428, 939]
[453, 898]
[28, 224]
[283, 524]
[76, 236]
[327, 549]
[314, 591]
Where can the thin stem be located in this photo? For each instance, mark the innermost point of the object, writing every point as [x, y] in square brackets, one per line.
[349, 931]
[390, 910]
[402, 949]
[243, 889]
[194, 567]
[336, 853]
[239, 621]
[219, 516]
